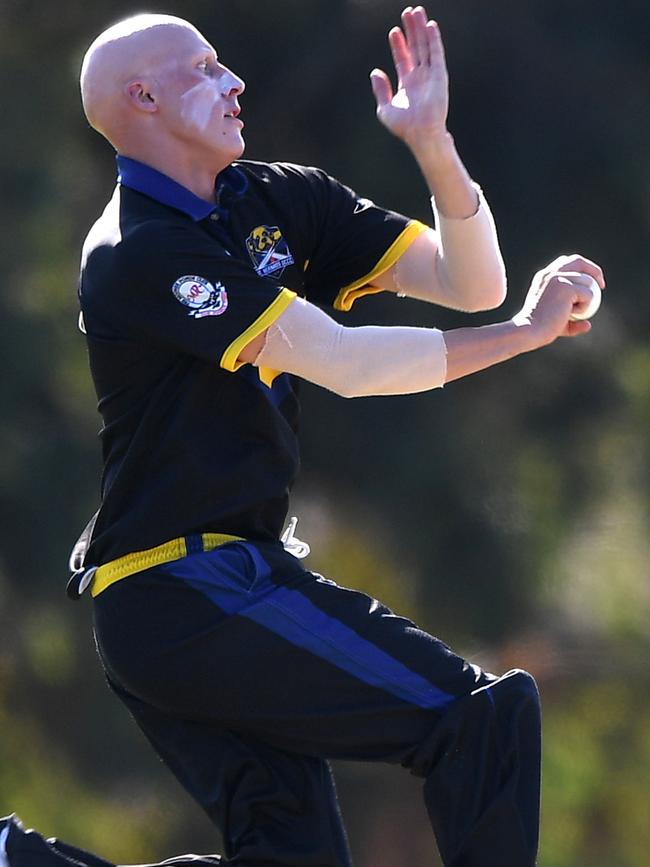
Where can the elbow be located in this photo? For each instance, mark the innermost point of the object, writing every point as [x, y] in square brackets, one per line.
[347, 391]
[488, 296]
[496, 296]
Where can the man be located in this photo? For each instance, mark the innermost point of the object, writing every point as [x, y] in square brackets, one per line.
[198, 293]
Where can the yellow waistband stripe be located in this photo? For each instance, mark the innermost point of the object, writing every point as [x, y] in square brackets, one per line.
[138, 561]
[349, 294]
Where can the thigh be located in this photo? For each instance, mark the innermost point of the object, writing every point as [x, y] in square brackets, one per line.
[245, 638]
[271, 807]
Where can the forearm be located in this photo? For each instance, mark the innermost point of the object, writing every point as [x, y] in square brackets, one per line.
[371, 360]
[472, 349]
[353, 362]
[462, 266]
[446, 177]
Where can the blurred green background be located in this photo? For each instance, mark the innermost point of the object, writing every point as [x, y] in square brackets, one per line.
[507, 513]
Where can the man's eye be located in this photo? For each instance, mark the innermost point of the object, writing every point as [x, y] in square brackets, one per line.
[203, 66]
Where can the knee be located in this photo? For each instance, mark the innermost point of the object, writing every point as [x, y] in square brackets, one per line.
[499, 715]
[526, 683]
[513, 692]
[516, 685]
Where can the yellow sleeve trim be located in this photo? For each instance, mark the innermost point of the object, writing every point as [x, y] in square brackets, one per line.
[230, 359]
[363, 286]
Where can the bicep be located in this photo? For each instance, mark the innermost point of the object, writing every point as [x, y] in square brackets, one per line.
[417, 273]
[249, 353]
[368, 360]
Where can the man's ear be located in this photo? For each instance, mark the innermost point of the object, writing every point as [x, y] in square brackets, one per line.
[139, 96]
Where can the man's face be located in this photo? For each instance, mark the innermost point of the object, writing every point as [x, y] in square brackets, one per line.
[197, 95]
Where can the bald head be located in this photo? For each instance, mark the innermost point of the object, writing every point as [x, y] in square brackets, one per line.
[154, 87]
[133, 51]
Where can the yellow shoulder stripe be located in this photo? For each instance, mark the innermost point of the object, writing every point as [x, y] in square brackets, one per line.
[230, 359]
[363, 286]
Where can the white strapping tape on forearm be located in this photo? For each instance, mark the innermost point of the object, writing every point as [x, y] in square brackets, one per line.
[470, 246]
[354, 362]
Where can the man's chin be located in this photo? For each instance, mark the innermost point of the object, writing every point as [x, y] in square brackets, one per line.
[234, 152]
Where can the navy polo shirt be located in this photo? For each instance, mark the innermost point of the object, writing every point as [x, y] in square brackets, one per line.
[172, 288]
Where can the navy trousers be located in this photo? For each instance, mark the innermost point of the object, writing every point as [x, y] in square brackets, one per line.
[247, 673]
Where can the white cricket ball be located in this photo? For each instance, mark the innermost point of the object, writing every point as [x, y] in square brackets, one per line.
[593, 304]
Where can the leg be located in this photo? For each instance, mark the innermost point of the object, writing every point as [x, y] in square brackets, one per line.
[481, 766]
[29, 849]
[272, 807]
[242, 641]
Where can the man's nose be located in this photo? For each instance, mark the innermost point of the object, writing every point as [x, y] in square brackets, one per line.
[231, 84]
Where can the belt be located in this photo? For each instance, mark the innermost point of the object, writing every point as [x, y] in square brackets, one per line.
[99, 578]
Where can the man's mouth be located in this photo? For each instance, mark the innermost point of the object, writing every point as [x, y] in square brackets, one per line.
[232, 115]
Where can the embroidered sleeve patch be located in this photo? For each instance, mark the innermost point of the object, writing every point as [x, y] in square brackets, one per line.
[201, 296]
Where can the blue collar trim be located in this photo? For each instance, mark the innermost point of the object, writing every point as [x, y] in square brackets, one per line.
[144, 179]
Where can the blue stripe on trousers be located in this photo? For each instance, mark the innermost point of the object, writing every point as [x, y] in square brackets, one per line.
[291, 615]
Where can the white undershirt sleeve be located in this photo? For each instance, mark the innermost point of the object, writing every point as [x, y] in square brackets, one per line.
[470, 249]
[354, 362]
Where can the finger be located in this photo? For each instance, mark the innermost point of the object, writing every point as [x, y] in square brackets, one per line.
[417, 36]
[420, 21]
[575, 262]
[407, 24]
[412, 22]
[436, 47]
[401, 52]
[580, 277]
[590, 295]
[381, 87]
[579, 283]
[574, 328]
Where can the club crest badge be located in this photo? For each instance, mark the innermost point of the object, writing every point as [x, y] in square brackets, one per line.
[269, 251]
[201, 296]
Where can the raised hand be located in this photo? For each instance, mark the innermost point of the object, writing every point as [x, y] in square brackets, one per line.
[418, 111]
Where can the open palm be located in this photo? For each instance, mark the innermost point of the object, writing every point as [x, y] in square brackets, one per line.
[420, 106]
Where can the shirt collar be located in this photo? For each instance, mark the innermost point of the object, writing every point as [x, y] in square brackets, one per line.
[149, 181]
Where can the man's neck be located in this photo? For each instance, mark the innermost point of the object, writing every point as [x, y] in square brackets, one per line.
[195, 175]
